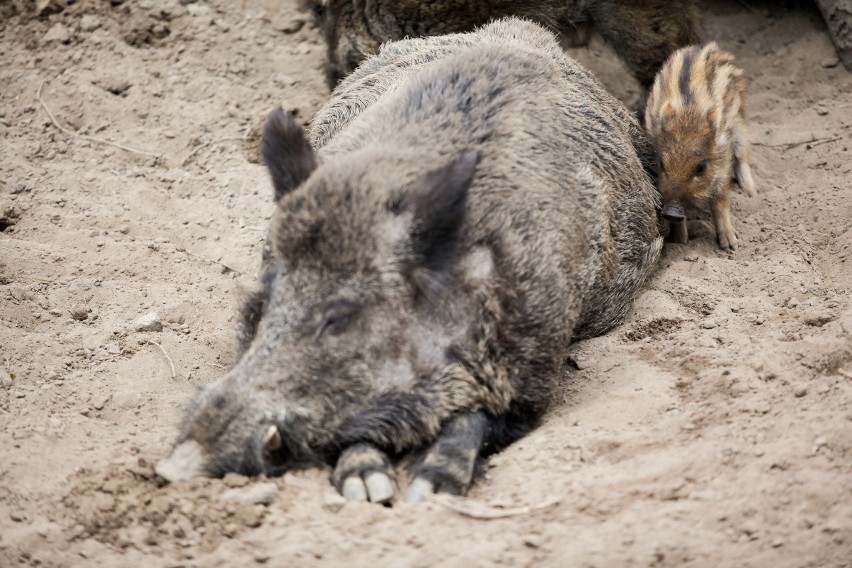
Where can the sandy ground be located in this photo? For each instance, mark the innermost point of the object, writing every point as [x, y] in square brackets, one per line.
[714, 428]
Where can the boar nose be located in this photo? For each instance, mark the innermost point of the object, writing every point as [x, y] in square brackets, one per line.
[673, 212]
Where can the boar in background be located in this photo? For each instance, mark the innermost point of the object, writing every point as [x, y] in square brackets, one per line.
[643, 33]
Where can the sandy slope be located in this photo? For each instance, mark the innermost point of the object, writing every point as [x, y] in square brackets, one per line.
[712, 429]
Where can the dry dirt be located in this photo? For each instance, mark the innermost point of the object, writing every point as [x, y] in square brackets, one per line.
[714, 428]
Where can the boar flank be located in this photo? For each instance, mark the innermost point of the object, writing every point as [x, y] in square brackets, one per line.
[468, 205]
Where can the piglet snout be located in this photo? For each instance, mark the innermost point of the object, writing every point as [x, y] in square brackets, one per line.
[673, 212]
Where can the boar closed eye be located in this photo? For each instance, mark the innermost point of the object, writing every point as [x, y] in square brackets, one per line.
[336, 320]
[700, 169]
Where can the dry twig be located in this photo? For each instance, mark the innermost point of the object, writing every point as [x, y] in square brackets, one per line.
[84, 136]
[790, 145]
[200, 147]
[219, 262]
[169, 359]
[483, 511]
[844, 373]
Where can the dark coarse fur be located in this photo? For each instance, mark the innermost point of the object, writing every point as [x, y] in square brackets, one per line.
[642, 33]
[478, 201]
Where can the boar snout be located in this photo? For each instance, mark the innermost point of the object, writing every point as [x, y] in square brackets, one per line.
[673, 212]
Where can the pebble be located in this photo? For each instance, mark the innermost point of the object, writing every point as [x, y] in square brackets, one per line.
[289, 26]
[197, 9]
[800, 391]
[830, 62]
[235, 480]
[333, 502]
[760, 320]
[18, 517]
[57, 33]
[101, 402]
[778, 543]
[263, 493]
[79, 313]
[89, 23]
[708, 324]
[149, 322]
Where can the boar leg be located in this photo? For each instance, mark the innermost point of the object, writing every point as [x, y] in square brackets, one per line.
[720, 207]
[644, 34]
[447, 465]
[363, 473]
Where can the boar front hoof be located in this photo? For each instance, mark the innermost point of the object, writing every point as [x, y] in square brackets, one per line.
[375, 487]
[362, 474]
[419, 490]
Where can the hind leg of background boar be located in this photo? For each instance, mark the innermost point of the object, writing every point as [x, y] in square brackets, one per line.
[645, 34]
[720, 207]
[447, 465]
[362, 473]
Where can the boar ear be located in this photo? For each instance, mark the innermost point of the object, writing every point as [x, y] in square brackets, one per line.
[286, 152]
[438, 201]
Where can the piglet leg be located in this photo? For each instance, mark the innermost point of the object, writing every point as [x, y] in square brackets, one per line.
[720, 207]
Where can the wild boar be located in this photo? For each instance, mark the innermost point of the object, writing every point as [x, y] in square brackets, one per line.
[469, 205]
[643, 34]
[696, 119]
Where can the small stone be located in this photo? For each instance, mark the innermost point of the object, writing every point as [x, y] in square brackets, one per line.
[333, 502]
[79, 313]
[261, 557]
[197, 10]
[289, 26]
[263, 493]
[57, 33]
[778, 543]
[89, 23]
[760, 320]
[830, 62]
[533, 541]
[18, 517]
[800, 391]
[708, 324]
[101, 402]
[149, 322]
[235, 480]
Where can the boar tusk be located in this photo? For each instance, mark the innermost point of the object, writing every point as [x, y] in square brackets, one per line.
[272, 439]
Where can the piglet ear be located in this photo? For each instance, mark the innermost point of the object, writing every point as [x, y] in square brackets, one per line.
[286, 152]
[438, 203]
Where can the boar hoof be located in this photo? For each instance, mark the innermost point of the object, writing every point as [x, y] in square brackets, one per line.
[354, 490]
[379, 487]
[362, 474]
[419, 490]
[376, 487]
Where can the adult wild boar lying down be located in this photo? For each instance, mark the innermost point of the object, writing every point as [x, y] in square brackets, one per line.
[475, 201]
